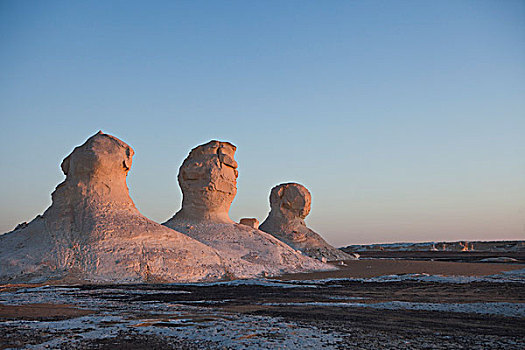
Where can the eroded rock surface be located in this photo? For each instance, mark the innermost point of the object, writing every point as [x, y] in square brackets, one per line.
[290, 204]
[93, 231]
[208, 179]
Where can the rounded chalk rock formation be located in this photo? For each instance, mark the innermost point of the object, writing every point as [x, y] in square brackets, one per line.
[290, 204]
[93, 231]
[208, 179]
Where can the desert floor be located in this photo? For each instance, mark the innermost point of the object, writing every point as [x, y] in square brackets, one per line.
[367, 304]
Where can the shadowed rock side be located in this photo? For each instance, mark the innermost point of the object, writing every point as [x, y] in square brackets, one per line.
[290, 204]
[208, 179]
[92, 230]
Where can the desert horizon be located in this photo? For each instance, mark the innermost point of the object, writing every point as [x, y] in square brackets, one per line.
[262, 175]
[216, 283]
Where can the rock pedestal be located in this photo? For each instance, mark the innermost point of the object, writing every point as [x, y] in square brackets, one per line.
[290, 204]
[208, 179]
[93, 231]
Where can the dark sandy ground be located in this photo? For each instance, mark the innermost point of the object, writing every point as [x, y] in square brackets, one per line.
[351, 308]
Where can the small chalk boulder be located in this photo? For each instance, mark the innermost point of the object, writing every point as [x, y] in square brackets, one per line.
[251, 222]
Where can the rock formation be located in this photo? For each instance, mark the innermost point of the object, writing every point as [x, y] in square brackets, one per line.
[208, 179]
[92, 230]
[252, 222]
[290, 204]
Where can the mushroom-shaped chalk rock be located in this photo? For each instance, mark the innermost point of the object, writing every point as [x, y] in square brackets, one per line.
[208, 179]
[93, 231]
[290, 204]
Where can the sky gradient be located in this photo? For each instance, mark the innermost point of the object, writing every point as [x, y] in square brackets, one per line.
[405, 120]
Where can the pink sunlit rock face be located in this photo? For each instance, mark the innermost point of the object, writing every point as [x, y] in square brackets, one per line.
[290, 204]
[93, 231]
[208, 179]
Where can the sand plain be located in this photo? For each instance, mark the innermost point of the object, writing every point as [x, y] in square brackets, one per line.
[367, 304]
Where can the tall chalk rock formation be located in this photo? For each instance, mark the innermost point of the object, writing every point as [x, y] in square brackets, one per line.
[290, 204]
[92, 231]
[208, 179]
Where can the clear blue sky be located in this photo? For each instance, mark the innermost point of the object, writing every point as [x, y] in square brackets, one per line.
[405, 119]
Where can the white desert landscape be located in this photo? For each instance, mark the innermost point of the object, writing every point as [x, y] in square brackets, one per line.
[245, 175]
[93, 232]
[91, 272]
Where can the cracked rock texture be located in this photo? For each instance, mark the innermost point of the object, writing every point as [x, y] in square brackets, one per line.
[93, 231]
[290, 204]
[208, 179]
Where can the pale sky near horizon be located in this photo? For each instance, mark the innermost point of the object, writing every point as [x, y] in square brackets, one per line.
[405, 119]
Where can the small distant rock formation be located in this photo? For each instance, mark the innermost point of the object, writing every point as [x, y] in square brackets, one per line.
[251, 222]
[290, 204]
[500, 259]
[208, 179]
[93, 231]
[459, 246]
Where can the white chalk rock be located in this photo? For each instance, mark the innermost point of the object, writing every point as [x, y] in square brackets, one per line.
[290, 204]
[93, 231]
[208, 179]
